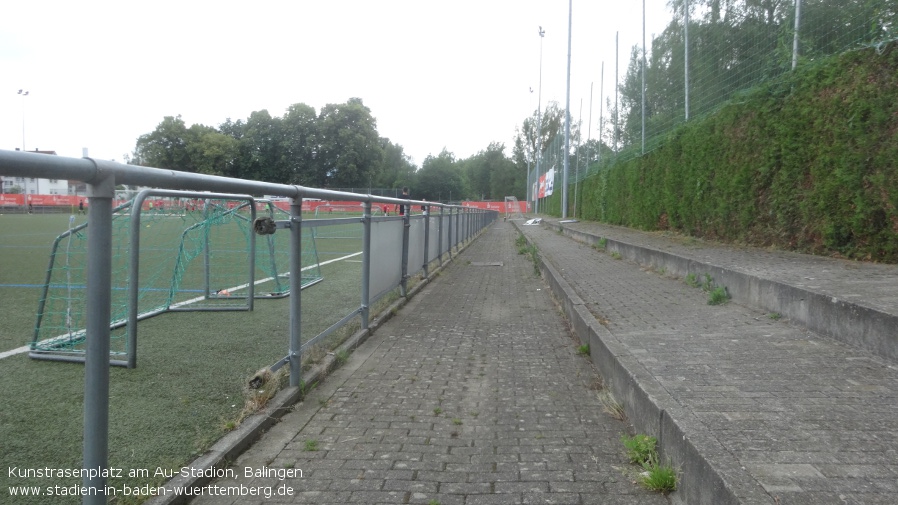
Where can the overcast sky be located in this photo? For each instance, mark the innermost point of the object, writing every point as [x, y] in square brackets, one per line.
[435, 74]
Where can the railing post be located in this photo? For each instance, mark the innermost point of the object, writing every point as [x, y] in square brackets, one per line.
[366, 264]
[449, 235]
[458, 235]
[405, 231]
[426, 210]
[96, 361]
[296, 291]
[440, 237]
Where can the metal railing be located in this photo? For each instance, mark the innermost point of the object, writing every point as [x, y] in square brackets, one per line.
[425, 238]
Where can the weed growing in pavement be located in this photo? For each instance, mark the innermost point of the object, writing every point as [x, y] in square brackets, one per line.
[437, 411]
[583, 350]
[611, 406]
[776, 316]
[640, 448]
[718, 296]
[616, 255]
[456, 421]
[709, 283]
[660, 478]
[342, 357]
[311, 445]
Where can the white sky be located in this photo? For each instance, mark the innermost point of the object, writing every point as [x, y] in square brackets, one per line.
[435, 74]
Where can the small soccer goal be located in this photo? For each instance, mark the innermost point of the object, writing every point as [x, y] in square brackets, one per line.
[172, 251]
[513, 208]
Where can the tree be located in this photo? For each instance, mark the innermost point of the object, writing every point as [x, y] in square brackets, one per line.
[212, 152]
[349, 148]
[166, 146]
[299, 146]
[440, 179]
[527, 146]
[491, 175]
[261, 156]
[397, 169]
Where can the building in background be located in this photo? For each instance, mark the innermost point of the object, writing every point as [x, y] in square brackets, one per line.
[38, 186]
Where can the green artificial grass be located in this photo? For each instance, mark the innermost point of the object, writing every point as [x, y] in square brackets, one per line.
[192, 368]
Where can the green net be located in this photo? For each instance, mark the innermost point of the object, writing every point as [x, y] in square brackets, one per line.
[711, 52]
[193, 255]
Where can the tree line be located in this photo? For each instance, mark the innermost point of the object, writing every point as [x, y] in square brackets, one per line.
[336, 147]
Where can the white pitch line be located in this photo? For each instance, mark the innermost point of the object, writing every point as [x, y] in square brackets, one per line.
[13, 352]
[26, 348]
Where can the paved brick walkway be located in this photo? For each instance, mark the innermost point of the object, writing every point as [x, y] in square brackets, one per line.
[474, 394]
[789, 416]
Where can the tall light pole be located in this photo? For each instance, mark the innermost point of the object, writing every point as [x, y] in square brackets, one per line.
[539, 121]
[23, 94]
[567, 128]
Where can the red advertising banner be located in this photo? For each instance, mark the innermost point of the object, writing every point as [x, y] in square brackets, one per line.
[55, 200]
[9, 199]
[497, 206]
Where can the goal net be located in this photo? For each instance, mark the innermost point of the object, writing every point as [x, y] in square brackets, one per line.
[184, 253]
[513, 208]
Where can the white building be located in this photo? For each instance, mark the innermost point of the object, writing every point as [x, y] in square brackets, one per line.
[37, 186]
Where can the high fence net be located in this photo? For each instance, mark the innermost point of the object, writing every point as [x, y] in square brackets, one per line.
[710, 52]
[193, 254]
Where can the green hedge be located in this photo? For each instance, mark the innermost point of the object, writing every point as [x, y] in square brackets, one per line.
[807, 163]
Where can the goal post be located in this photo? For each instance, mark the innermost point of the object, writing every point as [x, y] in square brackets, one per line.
[513, 208]
[172, 251]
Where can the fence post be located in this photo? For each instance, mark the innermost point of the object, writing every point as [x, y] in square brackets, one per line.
[96, 361]
[449, 235]
[366, 263]
[405, 245]
[426, 210]
[296, 290]
[440, 236]
[457, 240]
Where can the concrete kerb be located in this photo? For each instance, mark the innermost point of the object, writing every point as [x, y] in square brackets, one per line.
[229, 447]
[849, 322]
[708, 473]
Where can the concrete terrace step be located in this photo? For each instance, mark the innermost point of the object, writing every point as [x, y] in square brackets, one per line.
[852, 301]
[750, 408]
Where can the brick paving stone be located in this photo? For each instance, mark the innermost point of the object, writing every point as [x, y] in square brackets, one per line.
[809, 418]
[516, 418]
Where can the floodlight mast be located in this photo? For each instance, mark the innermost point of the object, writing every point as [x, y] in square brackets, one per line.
[23, 93]
[539, 119]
